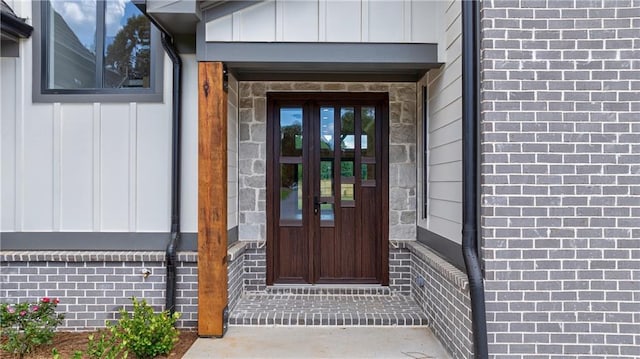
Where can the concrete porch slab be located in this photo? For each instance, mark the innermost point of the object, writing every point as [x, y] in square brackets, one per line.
[320, 342]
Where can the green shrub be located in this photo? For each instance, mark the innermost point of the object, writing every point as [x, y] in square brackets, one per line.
[25, 326]
[145, 333]
[105, 345]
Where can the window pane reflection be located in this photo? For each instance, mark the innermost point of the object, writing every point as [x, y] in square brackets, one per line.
[291, 132]
[368, 171]
[326, 178]
[291, 191]
[326, 212]
[368, 142]
[127, 44]
[347, 130]
[71, 44]
[327, 143]
[346, 192]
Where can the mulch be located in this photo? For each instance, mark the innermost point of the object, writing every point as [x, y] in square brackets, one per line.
[68, 343]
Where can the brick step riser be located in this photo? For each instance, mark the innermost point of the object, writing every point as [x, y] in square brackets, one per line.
[326, 320]
[325, 291]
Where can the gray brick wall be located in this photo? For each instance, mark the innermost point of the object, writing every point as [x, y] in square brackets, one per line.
[235, 274]
[93, 286]
[255, 270]
[443, 293]
[255, 267]
[560, 173]
[399, 269]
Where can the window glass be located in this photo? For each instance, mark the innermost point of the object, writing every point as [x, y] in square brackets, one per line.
[95, 44]
[291, 132]
[71, 44]
[127, 46]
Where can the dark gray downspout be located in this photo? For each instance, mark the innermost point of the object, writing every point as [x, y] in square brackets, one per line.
[176, 153]
[470, 127]
[176, 102]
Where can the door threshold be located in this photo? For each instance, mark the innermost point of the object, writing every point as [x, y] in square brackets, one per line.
[326, 285]
[328, 289]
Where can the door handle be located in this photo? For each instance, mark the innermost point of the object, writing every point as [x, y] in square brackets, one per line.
[316, 204]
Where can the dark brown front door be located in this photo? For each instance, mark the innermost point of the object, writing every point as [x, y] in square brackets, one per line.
[327, 190]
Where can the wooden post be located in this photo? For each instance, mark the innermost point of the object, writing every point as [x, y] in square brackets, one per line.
[212, 199]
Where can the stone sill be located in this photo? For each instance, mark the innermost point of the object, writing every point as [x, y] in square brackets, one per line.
[440, 265]
[236, 250]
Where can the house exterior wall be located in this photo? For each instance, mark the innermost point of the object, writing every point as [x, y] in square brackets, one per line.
[93, 286]
[99, 167]
[444, 119]
[442, 291]
[252, 153]
[330, 21]
[82, 166]
[560, 185]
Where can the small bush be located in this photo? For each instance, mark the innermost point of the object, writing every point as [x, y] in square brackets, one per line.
[145, 333]
[105, 345]
[25, 326]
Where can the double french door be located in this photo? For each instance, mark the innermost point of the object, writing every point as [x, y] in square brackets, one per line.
[327, 188]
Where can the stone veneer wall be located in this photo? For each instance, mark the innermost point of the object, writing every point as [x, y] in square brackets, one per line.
[402, 152]
[560, 174]
[442, 291]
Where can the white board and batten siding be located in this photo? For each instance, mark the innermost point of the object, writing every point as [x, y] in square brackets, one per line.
[97, 167]
[444, 111]
[232, 153]
[372, 21]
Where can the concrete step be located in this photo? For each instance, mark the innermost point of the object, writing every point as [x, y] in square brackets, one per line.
[268, 309]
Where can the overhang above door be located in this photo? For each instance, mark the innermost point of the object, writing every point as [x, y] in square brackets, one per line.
[322, 61]
[319, 40]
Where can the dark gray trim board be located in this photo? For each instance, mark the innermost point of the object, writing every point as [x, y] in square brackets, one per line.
[9, 48]
[279, 61]
[232, 236]
[445, 248]
[94, 241]
[319, 53]
[99, 241]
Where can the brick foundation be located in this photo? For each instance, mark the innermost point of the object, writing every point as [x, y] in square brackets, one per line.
[93, 286]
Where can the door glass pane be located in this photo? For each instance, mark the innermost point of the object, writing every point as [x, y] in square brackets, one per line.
[326, 178]
[347, 131]
[291, 132]
[346, 168]
[368, 171]
[346, 192]
[327, 143]
[291, 191]
[368, 141]
[326, 212]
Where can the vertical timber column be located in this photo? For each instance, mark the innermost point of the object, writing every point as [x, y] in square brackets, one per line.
[212, 199]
